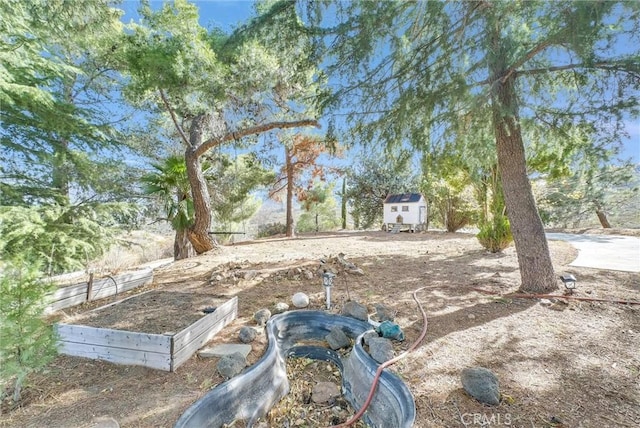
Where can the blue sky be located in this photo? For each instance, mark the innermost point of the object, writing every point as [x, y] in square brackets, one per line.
[227, 14]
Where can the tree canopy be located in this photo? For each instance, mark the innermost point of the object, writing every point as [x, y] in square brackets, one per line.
[217, 88]
[62, 184]
[410, 71]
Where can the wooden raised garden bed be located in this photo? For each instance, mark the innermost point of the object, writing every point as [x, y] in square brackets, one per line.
[163, 351]
[76, 294]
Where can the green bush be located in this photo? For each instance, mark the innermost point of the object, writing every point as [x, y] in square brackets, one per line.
[495, 235]
[271, 229]
[27, 342]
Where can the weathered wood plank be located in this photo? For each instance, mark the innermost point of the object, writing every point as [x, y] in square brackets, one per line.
[106, 287]
[155, 360]
[181, 356]
[70, 291]
[65, 303]
[76, 294]
[114, 338]
[192, 338]
[191, 332]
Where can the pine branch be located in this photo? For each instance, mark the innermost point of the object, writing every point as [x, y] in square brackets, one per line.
[605, 65]
[258, 129]
[174, 118]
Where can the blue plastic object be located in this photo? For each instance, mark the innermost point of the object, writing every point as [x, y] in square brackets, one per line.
[390, 331]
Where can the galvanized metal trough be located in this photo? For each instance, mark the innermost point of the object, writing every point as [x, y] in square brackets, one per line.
[250, 395]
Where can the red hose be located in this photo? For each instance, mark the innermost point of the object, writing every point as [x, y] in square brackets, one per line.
[386, 364]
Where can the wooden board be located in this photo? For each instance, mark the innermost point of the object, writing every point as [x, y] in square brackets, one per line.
[70, 291]
[192, 338]
[116, 346]
[158, 351]
[155, 360]
[76, 294]
[114, 338]
[106, 287]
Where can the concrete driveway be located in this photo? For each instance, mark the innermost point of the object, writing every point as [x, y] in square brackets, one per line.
[608, 252]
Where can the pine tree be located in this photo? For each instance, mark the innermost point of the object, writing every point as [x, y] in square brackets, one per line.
[409, 70]
[27, 342]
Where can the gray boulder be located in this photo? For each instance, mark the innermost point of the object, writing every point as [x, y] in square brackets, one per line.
[231, 365]
[380, 349]
[323, 392]
[369, 335]
[280, 307]
[262, 316]
[247, 334]
[337, 339]
[482, 384]
[355, 310]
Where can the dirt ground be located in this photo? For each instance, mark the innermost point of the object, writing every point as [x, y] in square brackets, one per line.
[572, 363]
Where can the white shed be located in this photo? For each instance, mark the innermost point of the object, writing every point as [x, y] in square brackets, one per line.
[407, 211]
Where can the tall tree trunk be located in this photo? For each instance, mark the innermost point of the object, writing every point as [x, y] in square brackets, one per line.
[199, 232]
[534, 260]
[343, 210]
[290, 175]
[602, 217]
[182, 248]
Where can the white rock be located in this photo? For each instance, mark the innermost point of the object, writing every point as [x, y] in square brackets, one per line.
[300, 300]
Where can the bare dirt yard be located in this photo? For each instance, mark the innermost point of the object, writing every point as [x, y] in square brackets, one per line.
[570, 363]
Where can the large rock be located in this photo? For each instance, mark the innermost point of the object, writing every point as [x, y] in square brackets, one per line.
[337, 339]
[368, 336]
[247, 334]
[482, 384]
[262, 316]
[324, 392]
[355, 310]
[231, 365]
[380, 349]
[300, 300]
[390, 330]
[280, 307]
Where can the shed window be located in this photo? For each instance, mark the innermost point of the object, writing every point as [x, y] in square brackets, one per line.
[405, 208]
[394, 209]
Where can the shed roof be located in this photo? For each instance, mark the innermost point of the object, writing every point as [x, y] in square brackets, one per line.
[404, 197]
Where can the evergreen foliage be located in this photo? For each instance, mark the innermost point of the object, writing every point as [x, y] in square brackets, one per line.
[233, 183]
[320, 210]
[601, 196]
[59, 238]
[373, 177]
[62, 173]
[495, 234]
[454, 207]
[271, 229]
[27, 342]
[215, 87]
[412, 70]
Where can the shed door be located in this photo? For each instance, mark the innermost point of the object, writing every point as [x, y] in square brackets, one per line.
[422, 217]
